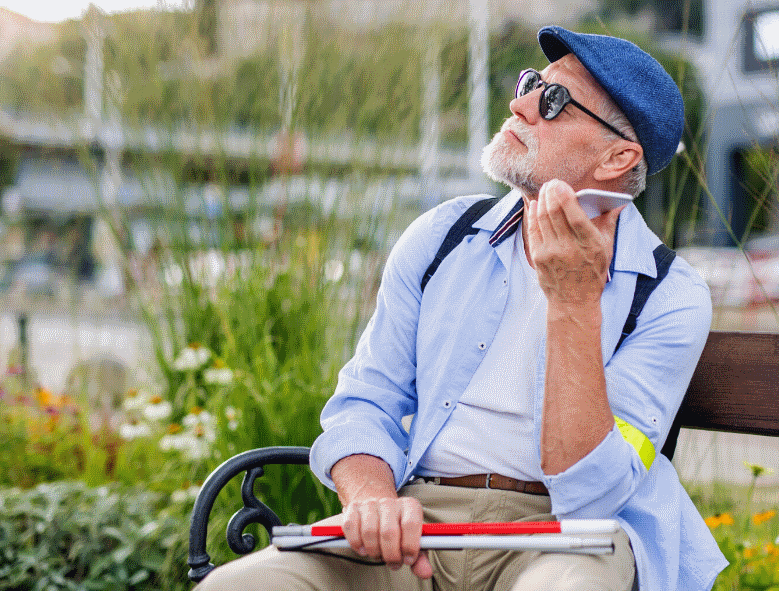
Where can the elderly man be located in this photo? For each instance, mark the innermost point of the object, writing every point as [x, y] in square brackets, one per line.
[528, 402]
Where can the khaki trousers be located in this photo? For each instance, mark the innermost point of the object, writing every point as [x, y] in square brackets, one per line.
[453, 570]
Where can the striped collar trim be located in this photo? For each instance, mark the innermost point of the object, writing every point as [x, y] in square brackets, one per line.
[509, 224]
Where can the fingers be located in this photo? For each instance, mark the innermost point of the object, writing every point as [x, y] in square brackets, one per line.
[388, 533]
[387, 529]
[566, 215]
[410, 529]
[422, 567]
[570, 252]
[352, 527]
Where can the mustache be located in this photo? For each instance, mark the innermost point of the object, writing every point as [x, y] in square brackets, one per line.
[520, 130]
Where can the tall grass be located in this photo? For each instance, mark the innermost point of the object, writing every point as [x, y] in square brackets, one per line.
[253, 307]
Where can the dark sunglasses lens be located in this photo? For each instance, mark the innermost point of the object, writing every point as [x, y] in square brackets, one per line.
[553, 99]
[528, 82]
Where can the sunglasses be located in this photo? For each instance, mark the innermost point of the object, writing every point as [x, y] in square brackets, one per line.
[554, 98]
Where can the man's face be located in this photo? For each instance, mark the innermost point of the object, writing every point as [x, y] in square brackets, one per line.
[529, 150]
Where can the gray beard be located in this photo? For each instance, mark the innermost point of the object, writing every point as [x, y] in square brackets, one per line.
[503, 164]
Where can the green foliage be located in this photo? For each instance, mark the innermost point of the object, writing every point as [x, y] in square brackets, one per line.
[749, 543]
[685, 16]
[69, 536]
[51, 439]
[512, 50]
[46, 78]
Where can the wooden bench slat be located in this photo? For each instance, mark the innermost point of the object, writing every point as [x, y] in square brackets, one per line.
[735, 385]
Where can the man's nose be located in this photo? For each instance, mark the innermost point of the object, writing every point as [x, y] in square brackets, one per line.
[526, 107]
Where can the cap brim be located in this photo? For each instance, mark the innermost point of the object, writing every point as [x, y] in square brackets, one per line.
[552, 45]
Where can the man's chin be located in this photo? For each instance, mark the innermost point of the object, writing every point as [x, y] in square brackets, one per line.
[502, 174]
[500, 164]
[491, 168]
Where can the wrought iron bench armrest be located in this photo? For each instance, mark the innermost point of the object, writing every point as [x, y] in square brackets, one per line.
[253, 511]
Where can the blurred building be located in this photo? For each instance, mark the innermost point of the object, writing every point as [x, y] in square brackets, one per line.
[245, 25]
[16, 29]
[736, 54]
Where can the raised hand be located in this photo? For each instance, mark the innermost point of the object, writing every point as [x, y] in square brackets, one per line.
[570, 252]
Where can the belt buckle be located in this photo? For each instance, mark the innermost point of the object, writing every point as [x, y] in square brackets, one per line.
[487, 482]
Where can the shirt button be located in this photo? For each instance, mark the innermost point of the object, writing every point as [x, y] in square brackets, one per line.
[447, 403]
[505, 282]
[482, 346]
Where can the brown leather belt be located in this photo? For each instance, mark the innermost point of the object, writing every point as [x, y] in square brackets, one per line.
[496, 481]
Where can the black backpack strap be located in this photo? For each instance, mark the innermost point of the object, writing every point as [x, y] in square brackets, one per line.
[669, 447]
[462, 227]
[645, 285]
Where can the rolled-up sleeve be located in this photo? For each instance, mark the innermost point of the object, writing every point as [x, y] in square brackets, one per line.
[646, 380]
[377, 387]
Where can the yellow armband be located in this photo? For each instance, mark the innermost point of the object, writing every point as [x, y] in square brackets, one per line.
[641, 443]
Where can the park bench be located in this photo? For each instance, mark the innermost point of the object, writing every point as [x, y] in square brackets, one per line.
[733, 389]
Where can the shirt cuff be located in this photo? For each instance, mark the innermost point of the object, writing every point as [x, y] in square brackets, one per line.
[599, 484]
[334, 445]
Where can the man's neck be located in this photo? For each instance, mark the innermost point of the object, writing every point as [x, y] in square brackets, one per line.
[523, 226]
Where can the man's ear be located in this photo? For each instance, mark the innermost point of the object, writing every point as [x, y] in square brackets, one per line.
[620, 158]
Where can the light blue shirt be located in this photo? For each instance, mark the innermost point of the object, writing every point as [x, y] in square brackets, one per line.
[417, 356]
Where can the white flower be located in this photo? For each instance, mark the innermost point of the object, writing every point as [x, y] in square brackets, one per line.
[355, 261]
[157, 409]
[195, 442]
[136, 400]
[168, 442]
[131, 431]
[199, 417]
[231, 413]
[334, 270]
[173, 275]
[192, 357]
[195, 447]
[218, 375]
[204, 432]
[182, 495]
[149, 529]
[232, 425]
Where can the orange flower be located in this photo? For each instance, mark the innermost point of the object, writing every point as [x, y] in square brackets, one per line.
[719, 519]
[726, 519]
[759, 518]
[749, 552]
[46, 398]
[713, 522]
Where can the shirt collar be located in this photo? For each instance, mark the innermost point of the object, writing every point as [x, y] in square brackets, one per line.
[632, 255]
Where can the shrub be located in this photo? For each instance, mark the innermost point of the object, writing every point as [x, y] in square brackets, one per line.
[68, 536]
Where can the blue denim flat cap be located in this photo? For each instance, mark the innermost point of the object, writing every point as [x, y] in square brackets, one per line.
[637, 83]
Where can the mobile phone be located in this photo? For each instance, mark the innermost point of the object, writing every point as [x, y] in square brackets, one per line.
[594, 202]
